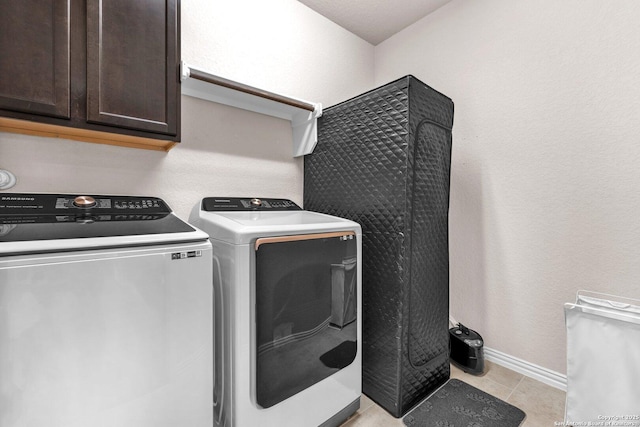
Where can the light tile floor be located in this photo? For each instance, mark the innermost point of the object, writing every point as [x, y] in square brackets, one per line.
[543, 404]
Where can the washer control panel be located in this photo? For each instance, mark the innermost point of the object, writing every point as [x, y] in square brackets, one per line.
[55, 204]
[27, 217]
[23, 208]
[212, 204]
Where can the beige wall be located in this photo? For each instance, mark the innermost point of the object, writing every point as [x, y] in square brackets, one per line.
[279, 45]
[225, 151]
[545, 186]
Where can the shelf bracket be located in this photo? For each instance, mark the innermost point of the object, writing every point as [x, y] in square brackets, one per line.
[302, 114]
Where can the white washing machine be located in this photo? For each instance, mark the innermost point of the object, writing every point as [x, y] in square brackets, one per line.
[287, 287]
[105, 314]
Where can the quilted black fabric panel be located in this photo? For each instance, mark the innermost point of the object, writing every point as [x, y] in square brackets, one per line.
[383, 160]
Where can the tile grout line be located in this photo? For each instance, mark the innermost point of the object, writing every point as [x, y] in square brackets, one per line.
[357, 415]
[514, 389]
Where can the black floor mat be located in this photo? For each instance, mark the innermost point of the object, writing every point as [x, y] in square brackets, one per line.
[459, 404]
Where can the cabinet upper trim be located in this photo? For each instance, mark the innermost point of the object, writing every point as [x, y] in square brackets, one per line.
[27, 127]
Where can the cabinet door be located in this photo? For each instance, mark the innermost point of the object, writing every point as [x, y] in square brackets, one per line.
[133, 64]
[34, 56]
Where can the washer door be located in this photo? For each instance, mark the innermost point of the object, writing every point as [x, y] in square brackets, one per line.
[305, 311]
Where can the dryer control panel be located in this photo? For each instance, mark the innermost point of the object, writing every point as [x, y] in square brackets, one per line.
[212, 204]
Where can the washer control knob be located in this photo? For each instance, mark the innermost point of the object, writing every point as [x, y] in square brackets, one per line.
[84, 202]
[256, 203]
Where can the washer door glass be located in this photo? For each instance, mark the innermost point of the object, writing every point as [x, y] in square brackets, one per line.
[306, 309]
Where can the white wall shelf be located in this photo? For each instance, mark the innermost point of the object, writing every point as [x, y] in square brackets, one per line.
[302, 114]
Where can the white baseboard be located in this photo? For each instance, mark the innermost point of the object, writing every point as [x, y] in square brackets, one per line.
[547, 376]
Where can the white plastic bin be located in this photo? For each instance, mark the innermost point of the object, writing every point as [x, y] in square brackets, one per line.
[603, 361]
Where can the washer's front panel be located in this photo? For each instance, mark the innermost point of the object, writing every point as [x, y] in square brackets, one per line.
[306, 311]
[109, 338]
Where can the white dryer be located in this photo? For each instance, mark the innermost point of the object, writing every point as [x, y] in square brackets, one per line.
[105, 314]
[287, 285]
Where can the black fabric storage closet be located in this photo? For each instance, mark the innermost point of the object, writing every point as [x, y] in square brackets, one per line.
[383, 159]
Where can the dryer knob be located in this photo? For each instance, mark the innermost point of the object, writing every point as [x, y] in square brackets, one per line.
[256, 202]
[84, 202]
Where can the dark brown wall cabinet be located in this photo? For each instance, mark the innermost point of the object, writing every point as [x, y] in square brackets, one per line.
[34, 57]
[92, 65]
